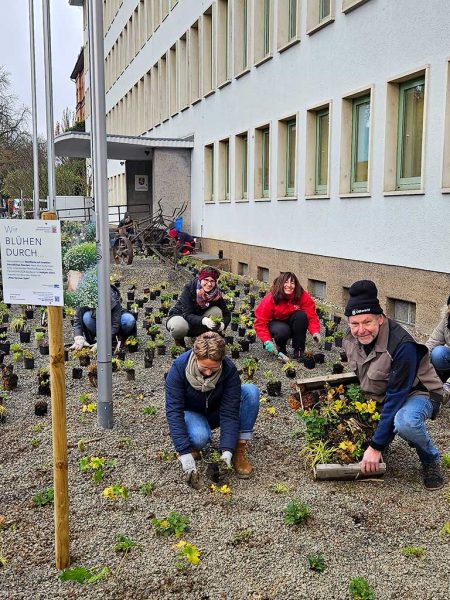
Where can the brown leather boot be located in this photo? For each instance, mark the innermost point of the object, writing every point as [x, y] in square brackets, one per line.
[240, 463]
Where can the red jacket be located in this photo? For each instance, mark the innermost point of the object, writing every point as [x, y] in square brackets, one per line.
[267, 311]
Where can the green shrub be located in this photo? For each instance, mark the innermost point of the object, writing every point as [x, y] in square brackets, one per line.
[87, 292]
[295, 512]
[360, 589]
[89, 232]
[81, 257]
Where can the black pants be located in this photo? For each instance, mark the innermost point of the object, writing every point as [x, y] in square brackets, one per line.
[295, 327]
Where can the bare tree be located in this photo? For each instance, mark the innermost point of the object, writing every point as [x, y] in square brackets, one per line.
[13, 119]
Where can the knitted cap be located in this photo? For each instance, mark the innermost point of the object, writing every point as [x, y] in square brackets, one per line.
[209, 272]
[448, 301]
[363, 299]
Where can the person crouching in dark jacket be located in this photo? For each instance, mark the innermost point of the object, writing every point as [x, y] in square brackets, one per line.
[204, 392]
[200, 299]
[123, 324]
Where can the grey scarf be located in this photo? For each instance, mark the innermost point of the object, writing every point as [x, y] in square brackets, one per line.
[196, 379]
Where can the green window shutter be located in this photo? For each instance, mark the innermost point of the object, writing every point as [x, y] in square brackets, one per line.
[322, 138]
[410, 134]
[291, 136]
[360, 144]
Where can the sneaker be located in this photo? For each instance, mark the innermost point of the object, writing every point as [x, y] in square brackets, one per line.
[432, 476]
[446, 397]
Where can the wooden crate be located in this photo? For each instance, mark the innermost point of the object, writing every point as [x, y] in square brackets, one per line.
[351, 472]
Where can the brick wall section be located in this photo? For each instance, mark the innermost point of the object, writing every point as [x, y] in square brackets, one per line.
[172, 181]
[428, 289]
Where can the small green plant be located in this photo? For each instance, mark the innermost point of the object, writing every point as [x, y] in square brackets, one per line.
[39, 336]
[295, 512]
[445, 529]
[316, 562]
[338, 334]
[216, 319]
[43, 497]
[114, 492]
[83, 575]
[128, 364]
[446, 460]
[167, 455]
[173, 524]
[416, 551]
[96, 464]
[151, 345]
[360, 589]
[187, 554]
[35, 442]
[249, 366]
[176, 350]
[280, 488]
[147, 488]
[27, 354]
[134, 307]
[241, 536]
[124, 544]
[150, 410]
[329, 339]
[131, 341]
[18, 324]
[116, 362]
[269, 376]
[289, 366]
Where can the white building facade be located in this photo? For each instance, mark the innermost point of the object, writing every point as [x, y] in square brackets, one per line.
[321, 134]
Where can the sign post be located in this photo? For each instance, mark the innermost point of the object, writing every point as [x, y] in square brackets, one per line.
[32, 274]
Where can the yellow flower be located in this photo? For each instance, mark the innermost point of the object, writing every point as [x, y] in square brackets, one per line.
[338, 405]
[164, 524]
[360, 406]
[97, 462]
[340, 389]
[348, 446]
[181, 544]
[225, 489]
[263, 399]
[109, 493]
[271, 410]
[89, 407]
[371, 407]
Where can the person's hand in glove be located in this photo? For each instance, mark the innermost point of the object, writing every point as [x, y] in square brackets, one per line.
[191, 474]
[209, 323]
[78, 343]
[269, 346]
[226, 457]
[221, 326]
[94, 348]
[317, 338]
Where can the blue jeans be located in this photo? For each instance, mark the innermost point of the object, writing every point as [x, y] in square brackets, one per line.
[409, 423]
[127, 323]
[440, 358]
[199, 430]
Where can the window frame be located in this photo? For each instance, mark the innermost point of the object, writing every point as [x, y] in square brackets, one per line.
[358, 186]
[265, 157]
[319, 188]
[291, 124]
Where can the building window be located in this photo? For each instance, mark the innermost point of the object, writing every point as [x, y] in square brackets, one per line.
[319, 14]
[262, 29]
[410, 134]
[183, 74]
[224, 170]
[240, 40]
[321, 157]
[241, 165]
[360, 144]
[209, 173]
[446, 163]
[318, 289]
[287, 157]
[263, 274]
[242, 268]
[173, 80]
[345, 295]
[222, 42]
[262, 162]
[288, 22]
[194, 64]
[402, 311]
[163, 88]
[207, 53]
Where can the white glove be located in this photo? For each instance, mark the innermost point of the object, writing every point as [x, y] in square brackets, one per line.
[316, 337]
[187, 463]
[446, 397]
[226, 457]
[209, 323]
[94, 348]
[221, 326]
[78, 343]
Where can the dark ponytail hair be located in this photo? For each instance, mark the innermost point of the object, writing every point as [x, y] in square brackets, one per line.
[277, 289]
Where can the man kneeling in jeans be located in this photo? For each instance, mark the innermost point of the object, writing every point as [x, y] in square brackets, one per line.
[396, 371]
[203, 392]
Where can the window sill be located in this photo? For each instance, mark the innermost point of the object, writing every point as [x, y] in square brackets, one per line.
[445, 190]
[209, 202]
[224, 84]
[352, 5]
[224, 201]
[210, 93]
[356, 195]
[242, 73]
[320, 25]
[242, 201]
[157, 125]
[174, 114]
[288, 45]
[184, 108]
[263, 60]
[165, 119]
[286, 198]
[405, 193]
[262, 199]
[194, 102]
[318, 197]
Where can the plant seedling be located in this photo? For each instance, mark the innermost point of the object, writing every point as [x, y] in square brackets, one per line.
[187, 553]
[115, 492]
[280, 488]
[44, 497]
[173, 524]
[416, 551]
[295, 512]
[150, 410]
[316, 562]
[241, 537]
[360, 589]
[446, 460]
[83, 575]
[123, 544]
[147, 488]
[445, 528]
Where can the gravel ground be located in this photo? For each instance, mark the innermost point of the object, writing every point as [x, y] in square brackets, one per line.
[358, 527]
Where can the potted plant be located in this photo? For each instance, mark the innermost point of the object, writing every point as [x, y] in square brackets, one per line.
[289, 369]
[338, 337]
[328, 342]
[130, 294]
[129, 370]
[4, 344]
[160, 345]
[176, 351]
[83, 355]
[343, 356]
[92, 374]
[249, 366]
[132, 343]
[2, 412]
[308, 359]
[44, 348]
[330, 327]
[229, 339]
[17, 351]
[273, 385]
[149, 351]
[39, 337]
[337, 368]
[29, 311]
[43, 376]
[337, 319]
[134, 308]
[40, 408]
[9, 378]
[4, 313]
[153, 331]
[77, 372]
[234, 323]
[157, 317]
[244, 344]
[18, 325]
[235, 350]
[319, 357]
[217, 320]
[148, 310]
[116, 364]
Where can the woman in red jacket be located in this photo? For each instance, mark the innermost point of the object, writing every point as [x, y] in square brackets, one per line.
[286, 312]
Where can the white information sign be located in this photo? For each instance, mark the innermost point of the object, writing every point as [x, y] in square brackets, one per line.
[141, 183]
[31, 262]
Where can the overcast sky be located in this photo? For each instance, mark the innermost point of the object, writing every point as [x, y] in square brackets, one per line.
[67, 39]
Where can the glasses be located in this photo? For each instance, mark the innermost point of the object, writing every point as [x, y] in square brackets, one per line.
[211, 281]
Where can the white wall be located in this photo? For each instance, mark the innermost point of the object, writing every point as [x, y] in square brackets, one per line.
[376, 42]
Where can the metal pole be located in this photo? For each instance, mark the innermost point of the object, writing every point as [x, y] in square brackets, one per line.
[99, 158]
[49, 105]
[34, 113]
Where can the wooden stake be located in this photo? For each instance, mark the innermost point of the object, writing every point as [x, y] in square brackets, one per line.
[59, 429]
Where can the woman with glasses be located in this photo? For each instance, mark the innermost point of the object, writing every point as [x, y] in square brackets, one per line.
[200, 299]
[204, 392]
[287, 312]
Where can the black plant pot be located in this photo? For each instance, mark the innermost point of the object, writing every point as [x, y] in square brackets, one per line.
[158, 293]
[4, 347]
[5, 319]
[131, 374]
[85, 361]
[157, 320]
[152, 295]
[148, 310]
[130, 296]
[44, 350]
[235, 354]
[337, 319]
[29, 314]
[290, 373]
[3, 329]
[327, 346]
[262, 294]
[252, 301]
[319, 357]
[28, 363]
[338, 342]
[160, 350]
[66, 355]
[132, 349]
[149, 353]
[241, 331]
[274, 388]
[229, 339]
[129, 303]
[40, 408]
[135, 315]
[175, 296]
[309, 363]
[343, 356]
[2, 356]
[44, 389]
[148, 362]
[121, 354]
[328, 332]
[337, 368]
[244, 344]
[140, 302]
[77, 373]
[251, 338]
[234, 326]
[24, 337]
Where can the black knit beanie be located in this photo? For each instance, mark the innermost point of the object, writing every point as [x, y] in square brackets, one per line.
[448, 301]
[363, 299]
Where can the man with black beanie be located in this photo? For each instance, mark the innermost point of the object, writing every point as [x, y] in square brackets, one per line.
[394, 370]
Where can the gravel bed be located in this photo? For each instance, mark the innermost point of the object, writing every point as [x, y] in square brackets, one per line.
[359, 527]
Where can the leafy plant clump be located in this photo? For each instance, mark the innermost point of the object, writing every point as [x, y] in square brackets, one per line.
[416, 551]
[124, 544]
[360, 589]
[316, 562]
[339, 426]
[84, 575]
[187, 554]
[173, 524]
[43, 497]
[96, 464]
[296, 512]
[80, 257]
[87, 292]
